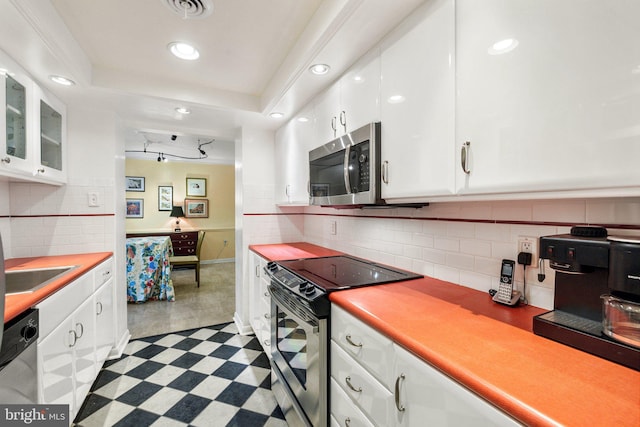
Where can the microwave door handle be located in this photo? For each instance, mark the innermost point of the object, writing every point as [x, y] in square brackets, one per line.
[347, 181]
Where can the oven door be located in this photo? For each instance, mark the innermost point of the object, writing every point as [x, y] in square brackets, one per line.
[299, 352]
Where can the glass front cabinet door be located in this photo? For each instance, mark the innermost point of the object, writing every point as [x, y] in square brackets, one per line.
[51, 162]
[16, 92]
[32, 128]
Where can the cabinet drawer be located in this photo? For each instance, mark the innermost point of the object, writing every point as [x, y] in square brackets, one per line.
[367, 392]
[103, 273]
[344, 411]
[368, 347]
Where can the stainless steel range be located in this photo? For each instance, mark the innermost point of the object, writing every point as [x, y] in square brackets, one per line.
[300, 327]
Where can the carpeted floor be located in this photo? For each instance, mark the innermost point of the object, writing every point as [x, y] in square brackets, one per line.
[210, 304]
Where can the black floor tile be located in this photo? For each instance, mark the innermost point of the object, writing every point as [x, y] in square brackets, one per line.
[149, 351]
[262, 361]
[188, 408]
[221, 337]
[187, 344]
[137, 418]
[229, 370]
[139, 394]
[236, 394]
[224, 351]
[91, 404]
[187, 360]
[187, 381]
[104, 377]
[244, 418]
[144, 370]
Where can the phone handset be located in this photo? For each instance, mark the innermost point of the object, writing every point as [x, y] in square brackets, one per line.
[506, 294]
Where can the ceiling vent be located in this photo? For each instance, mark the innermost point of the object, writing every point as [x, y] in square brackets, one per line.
[190, 9]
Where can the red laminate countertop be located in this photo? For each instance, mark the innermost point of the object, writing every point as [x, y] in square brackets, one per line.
[17, 303]
[489, 348]
[298, 250]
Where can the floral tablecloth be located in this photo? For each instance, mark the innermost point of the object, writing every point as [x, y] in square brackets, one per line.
[148, 269]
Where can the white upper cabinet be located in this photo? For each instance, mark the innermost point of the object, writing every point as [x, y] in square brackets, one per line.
[548, 95]
[292, 144]
[52, 135]
[33, 128]
[16, 91]
[351, 102]
[417, 104]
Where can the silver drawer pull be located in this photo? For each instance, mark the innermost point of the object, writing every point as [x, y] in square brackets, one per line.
[98, 308]
[399, 406]
[81, 333]
[348, 381]
[74, 338]
[267, 316]
[266, 294]
[267, 343]
[350, 341]
[347, 422]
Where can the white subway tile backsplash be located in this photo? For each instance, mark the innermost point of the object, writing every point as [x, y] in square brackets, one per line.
[446, 244]
[475, 247]
[460, 261]
[613, 212]
[434, 256]
[571, 211]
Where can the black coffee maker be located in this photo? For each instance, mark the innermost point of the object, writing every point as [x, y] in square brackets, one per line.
[597, 294]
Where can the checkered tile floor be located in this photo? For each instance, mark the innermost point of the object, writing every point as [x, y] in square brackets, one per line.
[201, 377]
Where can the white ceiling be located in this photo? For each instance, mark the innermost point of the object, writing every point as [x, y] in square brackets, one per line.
[254, 59]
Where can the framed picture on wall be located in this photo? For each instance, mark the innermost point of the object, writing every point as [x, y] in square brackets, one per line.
[135, 208]
[165, 197]
[134, 183]
[196, 187]
[196, 208]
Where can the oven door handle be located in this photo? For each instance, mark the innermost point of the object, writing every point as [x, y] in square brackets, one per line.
[311, 320]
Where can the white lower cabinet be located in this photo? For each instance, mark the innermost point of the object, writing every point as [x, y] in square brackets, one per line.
[376, 382]
[428, 397]
[76, 335]
[66, 360]
[260, 302]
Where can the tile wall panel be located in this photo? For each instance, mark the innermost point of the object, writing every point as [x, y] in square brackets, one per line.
[465, 242]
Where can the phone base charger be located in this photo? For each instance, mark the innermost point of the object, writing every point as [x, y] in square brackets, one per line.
[515, 297]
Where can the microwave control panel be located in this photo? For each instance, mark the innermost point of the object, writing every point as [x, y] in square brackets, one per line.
[359, 166]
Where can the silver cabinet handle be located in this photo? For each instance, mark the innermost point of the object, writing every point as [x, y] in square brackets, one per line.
[343, 120]
[348, 381]
[267, 316]
[464, 157]
[38, 171]
[286, 190]
[257, 271]
[6, 160]
[399, 406]
[385, 171]
[267, 343]
[99, 308]
[350, 341]
[81, 329]
[73, 335]
[347, 422]
[266, 294]
[333, 125]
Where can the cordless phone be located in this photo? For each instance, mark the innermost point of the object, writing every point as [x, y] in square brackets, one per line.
[506, 294]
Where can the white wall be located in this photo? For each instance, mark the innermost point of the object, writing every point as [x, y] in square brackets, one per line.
[464, 242]
[5, 222]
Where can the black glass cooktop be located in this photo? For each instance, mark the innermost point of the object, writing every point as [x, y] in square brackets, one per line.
[344, 272]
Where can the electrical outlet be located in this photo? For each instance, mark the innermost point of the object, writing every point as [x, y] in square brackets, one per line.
[93, 200]
[529, 245]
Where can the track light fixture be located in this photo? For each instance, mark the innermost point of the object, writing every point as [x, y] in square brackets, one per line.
[164, 157]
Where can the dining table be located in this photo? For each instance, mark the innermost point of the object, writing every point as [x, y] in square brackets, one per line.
[148, 269]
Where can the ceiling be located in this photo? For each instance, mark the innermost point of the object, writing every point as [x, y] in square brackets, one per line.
[254, 59]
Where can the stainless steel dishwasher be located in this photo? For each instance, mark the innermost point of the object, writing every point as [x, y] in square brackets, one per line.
[18, 360]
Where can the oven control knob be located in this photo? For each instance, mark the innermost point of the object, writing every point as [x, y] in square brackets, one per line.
[310, 291]
[272, 266]
[303, 285]
[28, 332]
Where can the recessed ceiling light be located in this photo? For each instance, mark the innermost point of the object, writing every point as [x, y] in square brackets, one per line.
[319, 69]
[183, 50]
[395, 99]
[303, 119]
[61, 80]
[276, 115]
[183, 110]
[503, 46]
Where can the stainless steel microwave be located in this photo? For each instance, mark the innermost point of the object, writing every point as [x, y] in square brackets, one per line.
[346, 171]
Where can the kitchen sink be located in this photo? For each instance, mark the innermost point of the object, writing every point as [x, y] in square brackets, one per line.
[25, 281]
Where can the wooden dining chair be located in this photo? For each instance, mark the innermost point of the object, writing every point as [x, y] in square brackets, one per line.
[190, 260]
